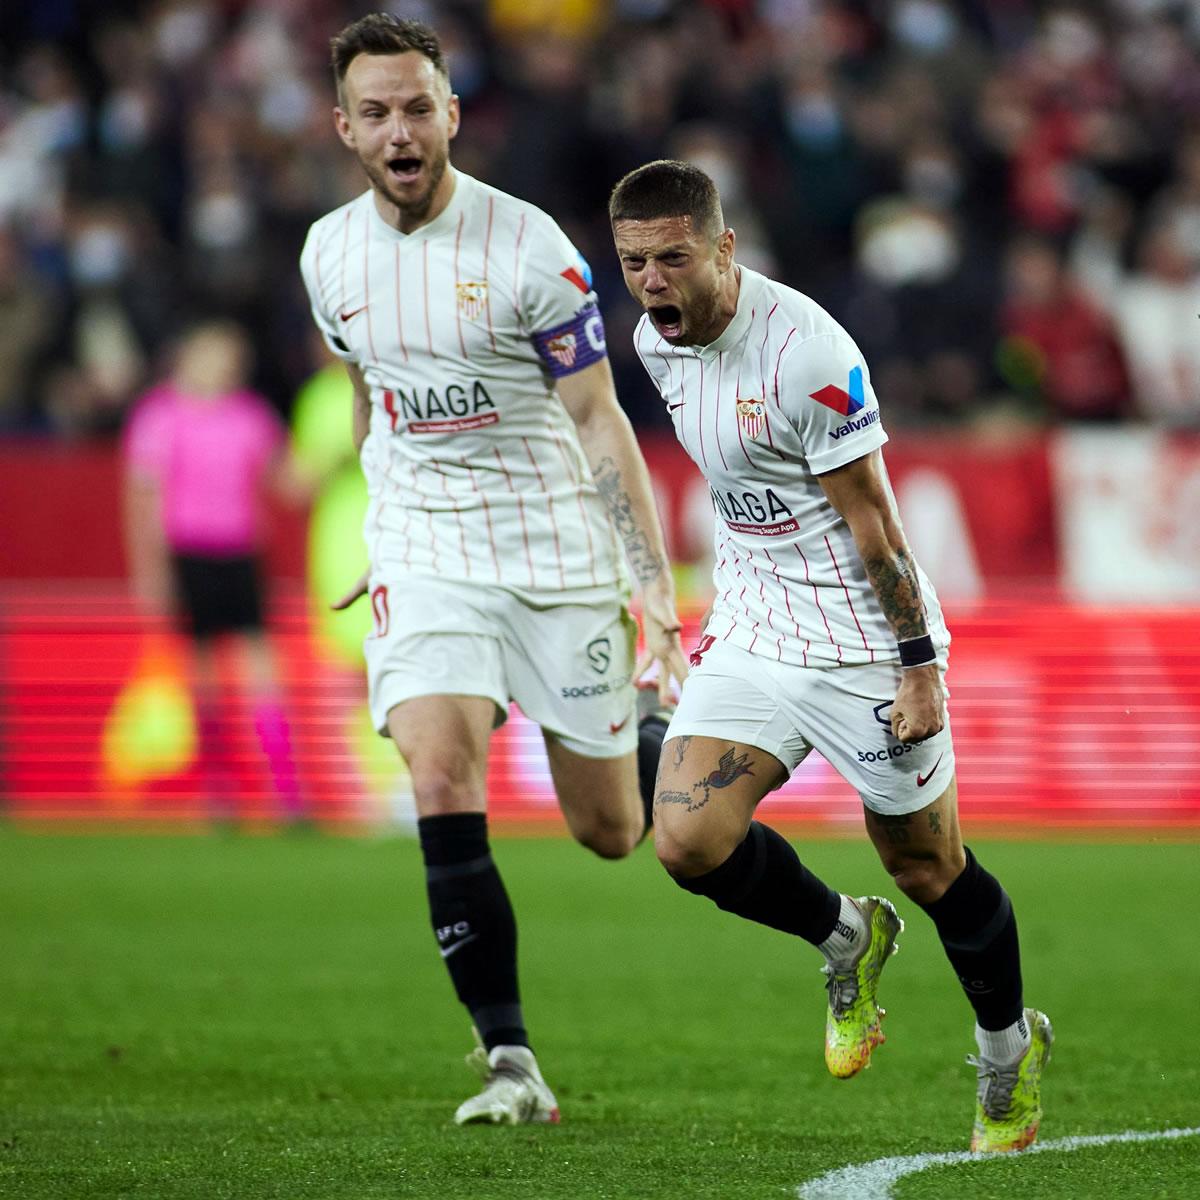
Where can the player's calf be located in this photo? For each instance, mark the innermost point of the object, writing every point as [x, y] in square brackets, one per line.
[473, 923]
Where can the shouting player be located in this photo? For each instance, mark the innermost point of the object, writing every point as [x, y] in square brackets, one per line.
[824, 633]
[504, 482]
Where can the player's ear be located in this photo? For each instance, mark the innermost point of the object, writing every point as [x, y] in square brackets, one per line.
[341, 122]
[725, 245]
[455, 116]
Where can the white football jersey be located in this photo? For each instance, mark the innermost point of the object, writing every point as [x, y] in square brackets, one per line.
[782, 396]
[460, 328]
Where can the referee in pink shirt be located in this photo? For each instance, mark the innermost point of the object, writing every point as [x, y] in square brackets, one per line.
[200, 449]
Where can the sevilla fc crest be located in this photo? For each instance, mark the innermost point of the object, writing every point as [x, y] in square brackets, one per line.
[563, 348]
[472, 298]
[751, 417]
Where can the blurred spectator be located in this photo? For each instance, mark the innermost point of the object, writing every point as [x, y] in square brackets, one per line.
[200, 449]
[25, 329]
[1055, 345]
[163, 156]
[1157, 309]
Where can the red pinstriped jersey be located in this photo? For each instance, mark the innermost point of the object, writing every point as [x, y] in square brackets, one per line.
[474, 468]
[782, 396]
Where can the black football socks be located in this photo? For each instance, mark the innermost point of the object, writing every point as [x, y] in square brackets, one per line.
[764, 880]
[474, 924]
[651, 732]
[975, 920]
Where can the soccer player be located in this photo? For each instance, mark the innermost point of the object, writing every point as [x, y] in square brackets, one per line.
[824, 633]
[504, 480]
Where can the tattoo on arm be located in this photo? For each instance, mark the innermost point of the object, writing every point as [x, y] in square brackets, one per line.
[894, 580]
[935, 821]
[647, 565]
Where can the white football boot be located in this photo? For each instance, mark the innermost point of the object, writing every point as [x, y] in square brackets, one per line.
[514, 1092]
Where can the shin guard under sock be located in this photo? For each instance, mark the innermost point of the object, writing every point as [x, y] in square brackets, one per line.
[474, 924]
[974, 919]
[763, 880]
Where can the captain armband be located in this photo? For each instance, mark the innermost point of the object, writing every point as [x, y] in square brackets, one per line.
[917, 652]
[574, 345]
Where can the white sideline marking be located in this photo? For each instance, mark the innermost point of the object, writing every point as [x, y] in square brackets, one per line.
[873, 1180]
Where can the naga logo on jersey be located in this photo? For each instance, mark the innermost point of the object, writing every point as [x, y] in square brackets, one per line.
[562, 348]
[452, 410]
[472, 299]
[845, 402]
[751, 417]
[752, 513]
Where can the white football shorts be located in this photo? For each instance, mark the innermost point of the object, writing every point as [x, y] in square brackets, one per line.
[843, 712]
[568, 666]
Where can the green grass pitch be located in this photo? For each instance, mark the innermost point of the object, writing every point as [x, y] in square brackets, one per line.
[211, 1017]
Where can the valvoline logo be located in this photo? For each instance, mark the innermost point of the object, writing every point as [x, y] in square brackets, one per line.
[580, 274]
[845, 402]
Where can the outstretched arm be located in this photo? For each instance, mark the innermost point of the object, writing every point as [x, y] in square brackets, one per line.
[620, 473]
[862, 495]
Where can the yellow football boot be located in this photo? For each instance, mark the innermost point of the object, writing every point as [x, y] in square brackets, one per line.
[852, 1028]
[1008, 1106]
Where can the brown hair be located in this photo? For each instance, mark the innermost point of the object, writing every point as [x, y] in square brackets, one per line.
[667, 188]
[381, 33]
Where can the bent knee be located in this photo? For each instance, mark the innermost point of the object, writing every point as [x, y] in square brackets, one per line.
[687, 858]
[610, 839]
[924, 880]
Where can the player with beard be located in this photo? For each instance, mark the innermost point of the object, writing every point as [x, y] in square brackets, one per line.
[824, 634]
[506, 488]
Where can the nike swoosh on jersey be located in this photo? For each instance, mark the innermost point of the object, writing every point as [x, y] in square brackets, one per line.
[673, 407]
[353, 312]
[614, 727]
[922, 780]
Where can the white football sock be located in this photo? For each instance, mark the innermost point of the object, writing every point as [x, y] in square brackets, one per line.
[1004, 1045]
[849, 934]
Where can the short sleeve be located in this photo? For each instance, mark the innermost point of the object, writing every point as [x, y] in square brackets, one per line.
[558, 305]
[311, 273]
[826, 392]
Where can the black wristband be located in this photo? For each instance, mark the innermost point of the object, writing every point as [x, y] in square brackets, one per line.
[917, 652]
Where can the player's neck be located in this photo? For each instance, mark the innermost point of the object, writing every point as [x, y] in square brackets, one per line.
[727, 303]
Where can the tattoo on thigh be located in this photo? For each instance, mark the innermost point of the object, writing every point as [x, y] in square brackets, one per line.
[680, 746]
[680, 798]
[731, 766]
[894, 827]
[935, 821]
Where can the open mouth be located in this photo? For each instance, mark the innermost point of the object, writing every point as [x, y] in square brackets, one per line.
[404, 169]
[668, 320]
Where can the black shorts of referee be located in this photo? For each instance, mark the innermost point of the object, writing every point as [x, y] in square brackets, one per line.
[218, 594]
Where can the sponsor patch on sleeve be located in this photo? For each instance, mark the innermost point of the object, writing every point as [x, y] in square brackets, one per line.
[577, 344]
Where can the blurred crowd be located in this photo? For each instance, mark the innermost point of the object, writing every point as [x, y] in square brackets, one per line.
[1000, 199]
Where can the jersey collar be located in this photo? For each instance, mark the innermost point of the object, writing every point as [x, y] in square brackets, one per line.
[444, 222]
